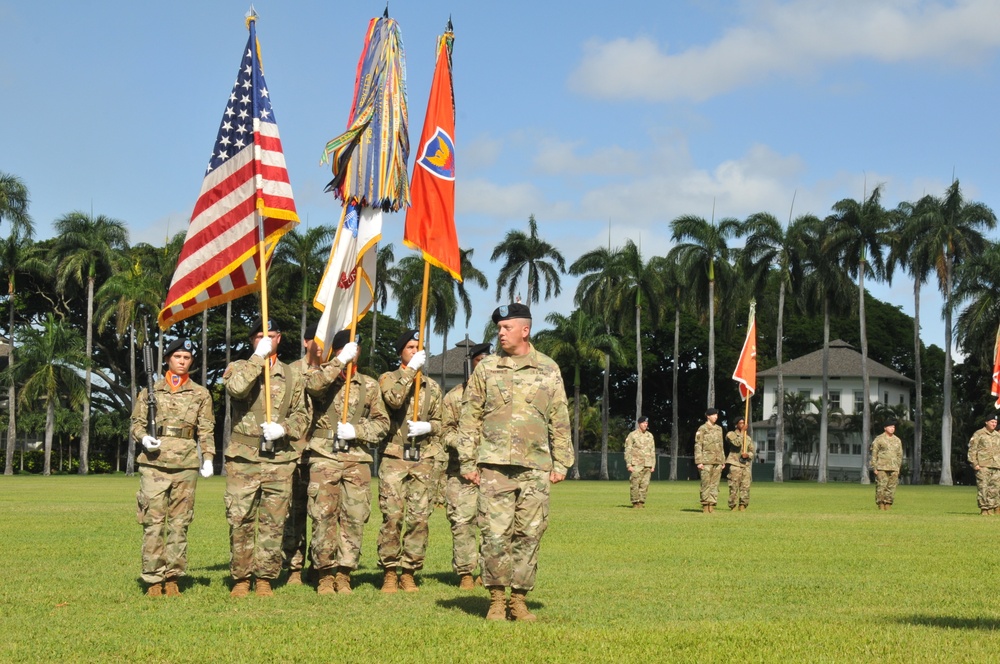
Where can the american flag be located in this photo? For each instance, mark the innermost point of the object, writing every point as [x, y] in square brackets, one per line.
[246, 172]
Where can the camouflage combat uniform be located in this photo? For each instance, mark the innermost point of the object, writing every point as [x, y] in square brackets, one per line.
[404, 487]
[168, 475]
[259, 485]
[515, 427]
[740, 469]
[708, 452]
[886, 458]
[461, 495]
[984, 451]
[640, 455]
[340, 481]
[293, 543]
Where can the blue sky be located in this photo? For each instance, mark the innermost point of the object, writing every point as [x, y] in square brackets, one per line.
[629, 115]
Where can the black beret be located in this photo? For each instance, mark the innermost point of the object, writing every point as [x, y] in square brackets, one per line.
[310, 332]
[890, 422]
[176, 345]
[508, 311]
[340, 339]
[740, 419]
[642, 419]
[991, 415]
[478, 349]
[711, 411]
[272, 326]
[405, 338]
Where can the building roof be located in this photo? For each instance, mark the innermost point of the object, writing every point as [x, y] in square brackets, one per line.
[453, 359]
[845, 362]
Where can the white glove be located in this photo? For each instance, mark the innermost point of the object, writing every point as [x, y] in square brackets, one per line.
[417, 360]
[348, 352]
[150, 443]
[345, 431]
[206, 468]
[272, 430]
[264, 347]
[418, 428]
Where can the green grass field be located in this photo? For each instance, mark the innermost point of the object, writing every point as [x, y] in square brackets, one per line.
[809, 573]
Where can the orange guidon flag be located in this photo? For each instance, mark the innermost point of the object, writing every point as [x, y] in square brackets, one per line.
[746, 366]
[430, 220]
[995, 387]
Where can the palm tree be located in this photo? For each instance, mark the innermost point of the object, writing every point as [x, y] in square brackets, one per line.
[860, 231]
[700, 251]
[299, 260]
[14, 200]
[408, 275]
[770, 248]
[49, 368]
[86, 246]
[532, 254]
[977, 282]
[673, 285]
[384, 258]
[470, 274]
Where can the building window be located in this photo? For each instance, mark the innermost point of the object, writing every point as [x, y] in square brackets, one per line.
[859, 401]
[834, 398]
[900, 399]
[856, 449]
[885, 400]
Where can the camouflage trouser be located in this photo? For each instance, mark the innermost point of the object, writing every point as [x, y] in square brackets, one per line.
[462, 508]
[438, 481]
[513, 516]
[404, 498]
[340, 501]
[740, 477]
[988, 484]
[885, 486]
[293, 543]
[257, 497]
[711, 473]
[639, 484]
[165, 509]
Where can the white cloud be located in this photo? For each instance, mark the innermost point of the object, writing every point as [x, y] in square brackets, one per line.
[479, 153]
[561, 158]
[506, 201]
[789, 39]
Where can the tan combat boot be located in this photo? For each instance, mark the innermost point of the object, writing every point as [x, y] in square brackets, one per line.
[518, 607]
[390, 583]
[263, 588]
[636, 506]
[743, 508]
[294, 578]
[326, 585]
[241, 588]
[704, 509]
[466, 582]
[170, 588]
[711, 509]
[154, 590]
[498, 604]
[407, 582]
[343, 581]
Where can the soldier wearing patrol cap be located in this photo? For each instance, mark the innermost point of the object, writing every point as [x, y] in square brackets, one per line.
[406, 467]
[709, 457]
[984, 457]
[886, 460]
[168, 467]
[514, 442]
[261, 459]
[640, 461]
[461, 495]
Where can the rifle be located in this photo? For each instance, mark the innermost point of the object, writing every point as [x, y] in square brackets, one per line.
[147, 361]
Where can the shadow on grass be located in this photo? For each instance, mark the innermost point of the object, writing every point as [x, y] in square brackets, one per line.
[951, 622]
[474, 605]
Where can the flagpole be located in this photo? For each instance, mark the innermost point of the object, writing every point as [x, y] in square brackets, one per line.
[264, 326]
[358, 275]
[420, 339]
[746, 426]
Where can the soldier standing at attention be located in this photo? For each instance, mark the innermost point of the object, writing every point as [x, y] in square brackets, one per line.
[710, 459]
[261, 459]
[984, 456]
[404, 473]
[461, 495]
[340, 477]
[514, 441]
[640, 460]
[740, 466]
[168, 467]
[886, 459]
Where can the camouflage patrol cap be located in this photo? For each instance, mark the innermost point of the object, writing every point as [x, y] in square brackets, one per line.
[405, 338]
[176, 345]
[477, 350]
[508, 311]
[257, 326]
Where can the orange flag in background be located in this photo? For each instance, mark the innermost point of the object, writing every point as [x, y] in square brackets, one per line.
[995, 387]
[746, 366]
[430, 220]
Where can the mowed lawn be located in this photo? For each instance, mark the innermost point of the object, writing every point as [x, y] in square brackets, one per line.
[809, 573]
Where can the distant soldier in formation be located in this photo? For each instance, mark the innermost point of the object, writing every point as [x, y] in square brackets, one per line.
[740, 462]
[886, 460]
[710, 458]
[261, 460]
[514, 442]
[168, 467]
[461, 495]
[405, 469]
[340, 474]
[640, 460]
[984, 456]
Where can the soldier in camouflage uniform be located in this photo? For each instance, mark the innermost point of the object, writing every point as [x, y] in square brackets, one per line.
[984, 456]
[886, 460]
[461, 495]
[640, 460]
[261, 459]
[740, 465]
[340, 473]
[709, 457]
[168, 467]
[293, 544]
[514, 442]
[404, 483]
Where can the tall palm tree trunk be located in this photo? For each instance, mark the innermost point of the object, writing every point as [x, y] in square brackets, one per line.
[371, 346]
[85, 426]
[302, 322]
[50, 427]
[946, 407]
[130, 461]
[711, 342]
[638, 358]
[824, 415]
[779, 419]
[604, 417]
[574, 473]
[918, 411]
[674, 425]
[8, 468]
[866, 407]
